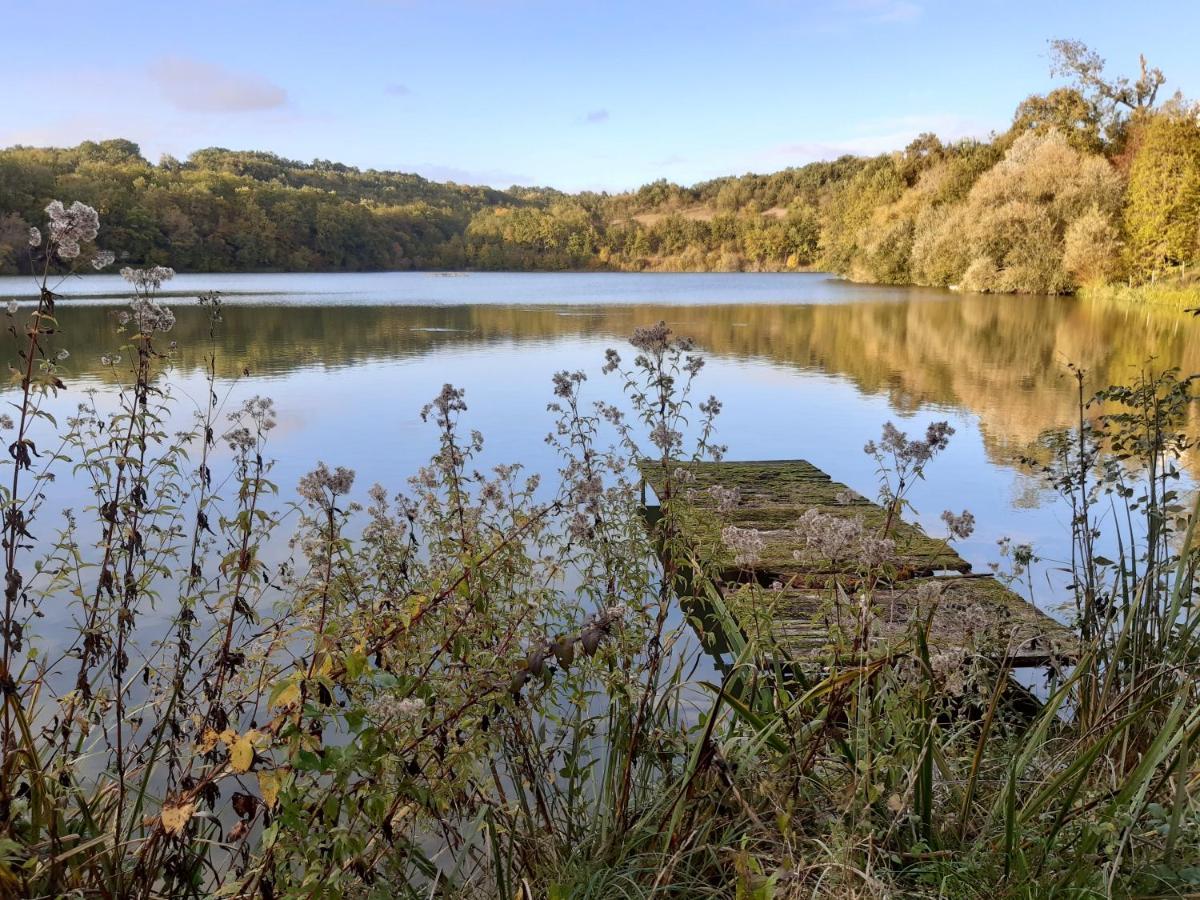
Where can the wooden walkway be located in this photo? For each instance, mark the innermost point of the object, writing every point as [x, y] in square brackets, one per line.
[805, 603]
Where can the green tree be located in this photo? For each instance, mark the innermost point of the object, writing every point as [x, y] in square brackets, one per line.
[1162, 210]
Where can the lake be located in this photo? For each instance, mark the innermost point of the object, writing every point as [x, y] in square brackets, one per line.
[806, 365]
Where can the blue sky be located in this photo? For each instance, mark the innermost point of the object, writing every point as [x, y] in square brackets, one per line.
[571, 93]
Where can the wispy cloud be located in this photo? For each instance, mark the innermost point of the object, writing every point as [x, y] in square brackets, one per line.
[395, 89]
[596, 116]
[193, 85]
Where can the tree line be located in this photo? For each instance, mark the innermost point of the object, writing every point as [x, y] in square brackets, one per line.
[1096, 181]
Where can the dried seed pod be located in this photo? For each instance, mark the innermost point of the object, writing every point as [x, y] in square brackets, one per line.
[564, 650]
[518, 681]
[590, 640]
[535, 660]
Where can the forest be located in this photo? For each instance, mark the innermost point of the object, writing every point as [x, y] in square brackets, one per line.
[1095, 183]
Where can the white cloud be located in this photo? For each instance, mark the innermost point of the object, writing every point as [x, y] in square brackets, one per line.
[196, 86]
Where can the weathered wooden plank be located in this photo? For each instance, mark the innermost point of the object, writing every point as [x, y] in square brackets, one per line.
[772, 495]
[977, 613]
[788, 593]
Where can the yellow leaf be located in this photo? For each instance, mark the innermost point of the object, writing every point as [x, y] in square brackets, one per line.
[288, 695]
[208, 740]
[241, 754]
[269, 784]
[174, 818]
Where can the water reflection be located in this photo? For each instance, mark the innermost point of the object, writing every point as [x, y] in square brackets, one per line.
[1002, 359]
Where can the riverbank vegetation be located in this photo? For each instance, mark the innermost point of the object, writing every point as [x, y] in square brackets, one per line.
[1094, 183]
[479, 684]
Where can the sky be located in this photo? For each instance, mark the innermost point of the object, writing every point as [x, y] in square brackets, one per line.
[575, 94]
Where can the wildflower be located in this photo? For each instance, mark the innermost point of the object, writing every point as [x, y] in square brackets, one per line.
[652, 339]
[876, 551]
[566, 382]
[103, 259]
[612, 414]
[319, 485]
[450, 400]
[75, 224]
[746, 544]
[580, 526]
[711, 407]
[260, 411]
[150, 316]
[829, 536]
[666, 439]
[960, 526]
[589, 490]
[911, 452]
[947, 668]
[67, 249]
[106, 360]
[240, 440]
[6, 421]
[12, 307]
[148, 279]
[405, 708]
[612, 361]
[35, 237]
[727, 498]
[682, 475]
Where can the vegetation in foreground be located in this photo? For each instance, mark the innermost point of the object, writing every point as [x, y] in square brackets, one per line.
[477, 687]
[1094, 183]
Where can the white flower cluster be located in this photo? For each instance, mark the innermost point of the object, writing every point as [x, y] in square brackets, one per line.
[948, 669]
[148, 279]
[837, 538]
[746, 544]
[405, 708]
[320, 485]
[960, 526]
[150, 316]
[916, 452]
[727, 498]
[70, 226]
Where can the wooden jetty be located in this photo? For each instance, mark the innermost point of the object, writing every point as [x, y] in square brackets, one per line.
[804, 603]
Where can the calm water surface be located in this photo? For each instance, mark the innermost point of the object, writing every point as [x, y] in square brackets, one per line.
[807, 366]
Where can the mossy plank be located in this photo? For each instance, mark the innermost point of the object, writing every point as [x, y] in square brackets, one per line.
[814, 600]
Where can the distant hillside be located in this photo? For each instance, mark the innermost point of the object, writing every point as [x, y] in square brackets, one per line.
[1088, 186]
